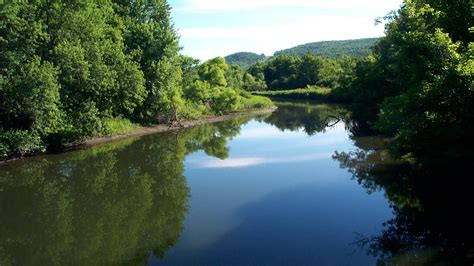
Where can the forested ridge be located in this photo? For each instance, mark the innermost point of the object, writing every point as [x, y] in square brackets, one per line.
[75, 69]
[332, 49]
[358, 48]
[244, 59]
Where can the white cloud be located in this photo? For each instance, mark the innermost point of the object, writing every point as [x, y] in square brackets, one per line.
[222, 5]
[266, 133]
[331, 26]
[244, 162]
[288, 32]
[231, 163]
[265, 26]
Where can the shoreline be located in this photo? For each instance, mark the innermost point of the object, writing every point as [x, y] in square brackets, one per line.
[160, 128]
[143, 131]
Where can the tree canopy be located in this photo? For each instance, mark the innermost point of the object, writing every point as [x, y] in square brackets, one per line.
[417, 85]
[67, 68]
[245, 59]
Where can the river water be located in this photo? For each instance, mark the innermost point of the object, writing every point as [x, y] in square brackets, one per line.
[276, 189]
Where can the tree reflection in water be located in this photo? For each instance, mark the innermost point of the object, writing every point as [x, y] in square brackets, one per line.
[312, 118]
[432, 223]
[111, 204]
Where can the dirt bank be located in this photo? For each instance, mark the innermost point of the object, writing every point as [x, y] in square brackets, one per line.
[165, 128]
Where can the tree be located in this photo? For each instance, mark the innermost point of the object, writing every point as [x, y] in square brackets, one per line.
[151, 40]
[213, 71]
[418, 84]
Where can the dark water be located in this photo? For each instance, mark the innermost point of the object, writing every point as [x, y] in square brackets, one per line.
[290, 188]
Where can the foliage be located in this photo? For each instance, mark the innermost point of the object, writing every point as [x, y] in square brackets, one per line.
[309, 93]
[216, 89]
[66, 69]
[31, 100]
[291, 72]
[332, 49]
[255, 102]
[213, 72]
[244, 59]
[311, 118]
[418, 84]
[425, 228]
[120, 126]
[19, 143]
[112, 204]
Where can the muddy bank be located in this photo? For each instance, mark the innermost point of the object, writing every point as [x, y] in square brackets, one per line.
[165, 128]
[150, 130]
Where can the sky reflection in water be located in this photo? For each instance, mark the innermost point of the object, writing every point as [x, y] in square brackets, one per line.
[278, 199]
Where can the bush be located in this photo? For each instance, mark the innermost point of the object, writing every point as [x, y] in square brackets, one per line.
[309, 93]
[116, 126]
[225, 100]
[87, 122]
[18, 143]
[194, 110]
[255, 102]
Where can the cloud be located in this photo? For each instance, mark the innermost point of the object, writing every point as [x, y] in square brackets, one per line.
[244, 162]
[287, 27]
[210, 28]
[240, 5]
[266, 133]
[285, 33]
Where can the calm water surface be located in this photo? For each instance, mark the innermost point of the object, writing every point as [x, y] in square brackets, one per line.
[266, 190]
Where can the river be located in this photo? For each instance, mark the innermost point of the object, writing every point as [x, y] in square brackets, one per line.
[278, 189]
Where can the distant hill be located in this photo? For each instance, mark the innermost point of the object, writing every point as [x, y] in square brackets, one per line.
[244, 59]
[357, 48]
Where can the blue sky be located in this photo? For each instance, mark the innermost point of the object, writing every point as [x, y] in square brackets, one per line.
[210, 28]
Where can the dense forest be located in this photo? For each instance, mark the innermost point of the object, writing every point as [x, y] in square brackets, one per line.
[332, 49]
[76, 69]
[286, 72]
[416, 85]
[118, 62]
[244, 59]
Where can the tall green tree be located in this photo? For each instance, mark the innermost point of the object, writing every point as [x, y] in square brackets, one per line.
[418, 84]
[151, 40]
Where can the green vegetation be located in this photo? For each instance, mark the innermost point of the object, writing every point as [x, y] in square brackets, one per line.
[244, 59]
[418, 84]
[310, 93]
[294, 72]
[90, 68]
[112, 204]
[426, 228]
[332, 49]
[311, 118]
[120, 126]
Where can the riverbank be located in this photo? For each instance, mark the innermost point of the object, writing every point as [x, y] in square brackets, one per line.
[159, 128]
[312, 93]
[142, 131]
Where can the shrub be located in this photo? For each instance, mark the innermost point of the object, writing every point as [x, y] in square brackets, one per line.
[120, 125]
[19, 143]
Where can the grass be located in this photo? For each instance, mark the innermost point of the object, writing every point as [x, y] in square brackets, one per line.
[255, 102]
[194, 111]
[119, 126]
[309, 93]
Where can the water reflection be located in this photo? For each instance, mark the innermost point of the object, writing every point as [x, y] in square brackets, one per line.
[431, 205]
[111, 204]
[279, 198]
[262, 191]
[312, 118]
